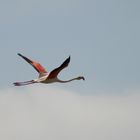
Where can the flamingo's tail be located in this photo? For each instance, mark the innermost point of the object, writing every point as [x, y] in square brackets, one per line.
[24, 83]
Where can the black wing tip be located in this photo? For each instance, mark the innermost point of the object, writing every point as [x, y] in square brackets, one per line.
[68, 59]
[19, 54]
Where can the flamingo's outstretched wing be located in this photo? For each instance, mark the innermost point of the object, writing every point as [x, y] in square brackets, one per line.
[56, 71]
[38, 67]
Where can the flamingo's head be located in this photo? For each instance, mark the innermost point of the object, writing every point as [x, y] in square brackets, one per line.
[80, 78]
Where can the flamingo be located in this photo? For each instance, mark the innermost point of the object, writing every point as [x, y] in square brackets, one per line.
[44, 76]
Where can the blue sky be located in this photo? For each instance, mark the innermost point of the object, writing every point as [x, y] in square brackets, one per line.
[102, 38]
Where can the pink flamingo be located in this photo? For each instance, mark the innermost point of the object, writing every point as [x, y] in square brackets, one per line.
[44, 76]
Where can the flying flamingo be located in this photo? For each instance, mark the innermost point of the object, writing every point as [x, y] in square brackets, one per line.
[44, 76]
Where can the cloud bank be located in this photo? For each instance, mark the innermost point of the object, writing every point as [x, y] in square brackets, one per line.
[54, 114]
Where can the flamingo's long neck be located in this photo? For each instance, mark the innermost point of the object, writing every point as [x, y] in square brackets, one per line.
[66, 81]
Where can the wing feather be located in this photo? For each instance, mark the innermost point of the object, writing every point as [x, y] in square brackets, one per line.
[38, 67]
[56, 71]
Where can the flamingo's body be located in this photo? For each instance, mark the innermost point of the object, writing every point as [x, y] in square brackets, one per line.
[44, 76]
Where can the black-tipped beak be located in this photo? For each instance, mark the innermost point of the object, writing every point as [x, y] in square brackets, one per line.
[83, 78]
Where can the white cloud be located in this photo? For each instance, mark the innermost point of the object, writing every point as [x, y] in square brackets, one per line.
[54, 114]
